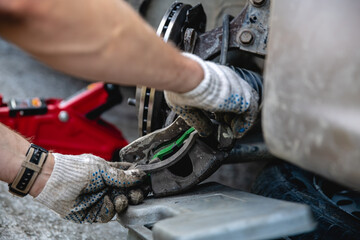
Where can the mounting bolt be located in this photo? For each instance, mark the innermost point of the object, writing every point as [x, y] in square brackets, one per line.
[258, 3]
[63, 116]
[246, 37]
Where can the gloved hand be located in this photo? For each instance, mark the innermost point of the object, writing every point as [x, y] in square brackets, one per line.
[86, 188]
[233, 94]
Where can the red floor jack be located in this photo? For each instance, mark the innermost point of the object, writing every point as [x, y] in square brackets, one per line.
[70, 126]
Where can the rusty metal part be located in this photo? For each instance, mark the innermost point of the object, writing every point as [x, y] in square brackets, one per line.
[208, 45]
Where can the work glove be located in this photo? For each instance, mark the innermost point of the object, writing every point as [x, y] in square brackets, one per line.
[86, 188]
[233, 94]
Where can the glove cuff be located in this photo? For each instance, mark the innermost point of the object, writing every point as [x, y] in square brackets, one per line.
[222, 89]
[199, 95]
[63, 183]
[199, 91]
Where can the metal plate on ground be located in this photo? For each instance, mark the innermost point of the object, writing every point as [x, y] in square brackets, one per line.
[213, 211]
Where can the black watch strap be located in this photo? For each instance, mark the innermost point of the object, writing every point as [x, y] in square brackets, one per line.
[30, 169]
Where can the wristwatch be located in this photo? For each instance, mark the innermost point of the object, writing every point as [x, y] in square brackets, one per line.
[30, 168]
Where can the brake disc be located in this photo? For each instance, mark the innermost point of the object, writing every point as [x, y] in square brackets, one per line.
[151, 103]
[153, 112]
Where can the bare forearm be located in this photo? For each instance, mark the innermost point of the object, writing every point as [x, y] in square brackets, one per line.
[101, 41]
[13, 148]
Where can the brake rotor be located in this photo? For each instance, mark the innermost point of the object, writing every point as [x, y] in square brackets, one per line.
[152, 108]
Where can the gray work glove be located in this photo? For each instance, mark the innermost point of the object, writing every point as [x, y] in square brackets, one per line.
[232, 95]
[86, 188]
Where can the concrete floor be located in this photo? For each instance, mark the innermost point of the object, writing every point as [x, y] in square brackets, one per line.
[23, 218]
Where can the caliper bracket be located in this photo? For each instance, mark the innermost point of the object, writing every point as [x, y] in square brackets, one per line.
[174, 157]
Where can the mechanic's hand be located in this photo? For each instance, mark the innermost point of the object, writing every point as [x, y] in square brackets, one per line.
[86, 188]
[233, 94]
